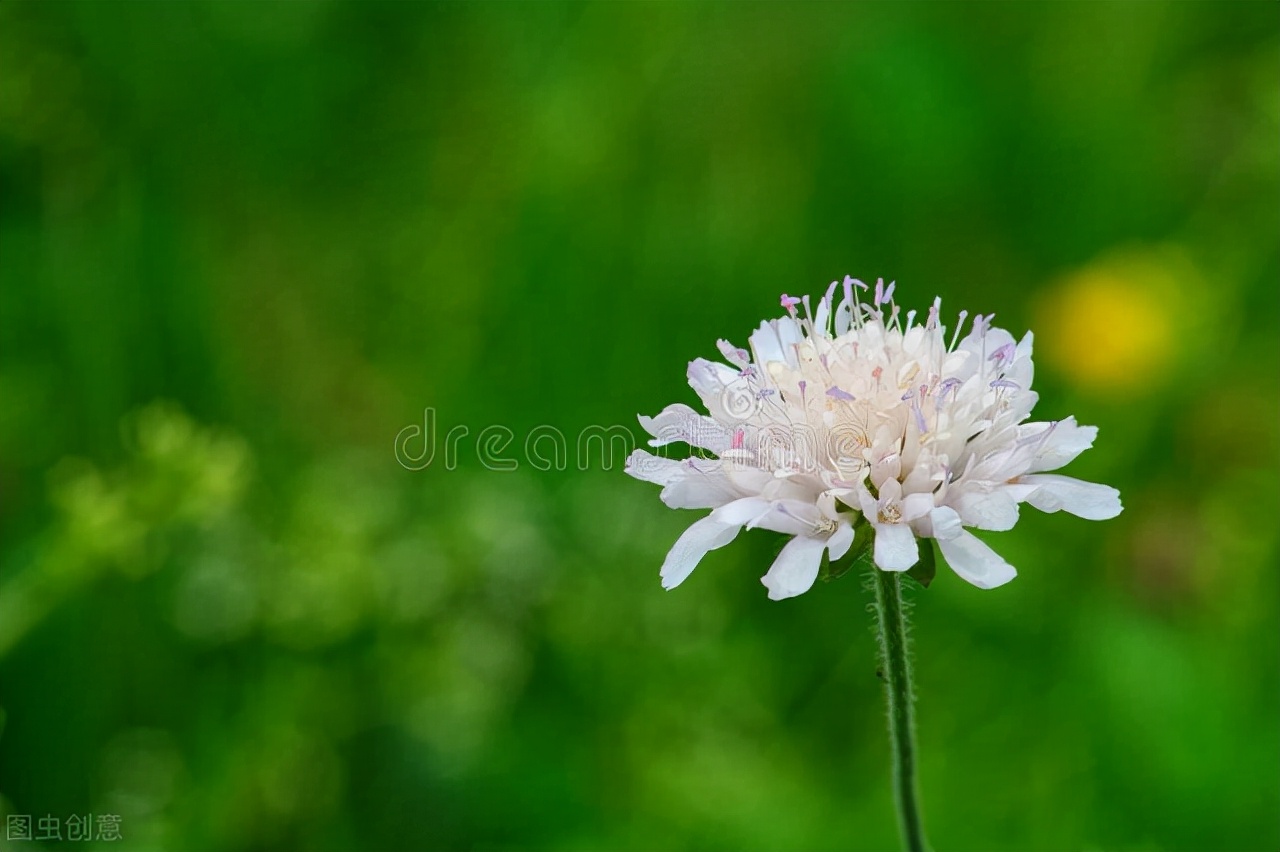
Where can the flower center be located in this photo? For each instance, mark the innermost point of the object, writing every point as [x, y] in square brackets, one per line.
[890, 515]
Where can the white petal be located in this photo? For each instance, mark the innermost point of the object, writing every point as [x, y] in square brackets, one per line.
[870, 507]
[840, 542]
[775, 340]
[737, 357]
[742, 512]
[748, 480]
[700, 489]
[916, 506]
[711, 381]
[992, 510]
[945, 522]
[985, 345]
[650, 468]
[1020, 404]
[1087, 500]
[793, 517]
[706, 534]
[1064, 443]
[884, 475]
[895, 547]
[1024, 347]
[973, 560]
[679, 422]
[796, 568]
[1022, 370]
[691, 483]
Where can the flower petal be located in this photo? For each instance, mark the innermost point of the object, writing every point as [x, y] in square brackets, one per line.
[793, 517]
[650, 468]
[945, 523]
[739, 358]
[916, 506]
[700, 489]
[974, 561]
[1087, 500]
[796, 568]
[840, 542]
[703, 536]
[1066, 441]
[681, 423]
[775, 340]
[691, 483]
[895, 547]
[720, 388]
[869, 505]
[742, 512]
[991, 510]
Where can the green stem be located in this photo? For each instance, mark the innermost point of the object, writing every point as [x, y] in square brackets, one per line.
[892, 624]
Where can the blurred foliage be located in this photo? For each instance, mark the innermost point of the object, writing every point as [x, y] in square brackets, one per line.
[243, 245]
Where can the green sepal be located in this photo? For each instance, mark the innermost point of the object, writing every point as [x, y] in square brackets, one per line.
[924, 570]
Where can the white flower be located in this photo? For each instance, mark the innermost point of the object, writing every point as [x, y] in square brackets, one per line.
[853, 410]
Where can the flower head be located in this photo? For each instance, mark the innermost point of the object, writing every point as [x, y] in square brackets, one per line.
[851, 413]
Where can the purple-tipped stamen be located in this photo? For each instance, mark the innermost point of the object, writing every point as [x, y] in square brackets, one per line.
[1003, 354]
[946, 387]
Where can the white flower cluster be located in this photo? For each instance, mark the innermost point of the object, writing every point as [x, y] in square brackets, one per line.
[853, 410]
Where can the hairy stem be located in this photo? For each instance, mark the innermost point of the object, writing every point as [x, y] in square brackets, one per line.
[896, 662]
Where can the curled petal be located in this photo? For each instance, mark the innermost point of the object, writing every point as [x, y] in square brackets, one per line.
[686, 484]
[1065, 441]
[681, 423]
[1087, 500]
[796, 568]
[840, 542]
[703, 536]
[650, 468]
[973, 560]
[739, 358]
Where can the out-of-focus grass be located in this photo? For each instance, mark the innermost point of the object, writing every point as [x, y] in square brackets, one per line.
[242, 246]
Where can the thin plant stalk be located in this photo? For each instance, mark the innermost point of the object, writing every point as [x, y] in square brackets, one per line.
[896, 664]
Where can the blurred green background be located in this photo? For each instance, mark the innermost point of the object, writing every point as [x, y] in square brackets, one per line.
[243, 245]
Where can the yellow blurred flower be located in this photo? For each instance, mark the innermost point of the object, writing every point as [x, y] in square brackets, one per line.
[1112, 325]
